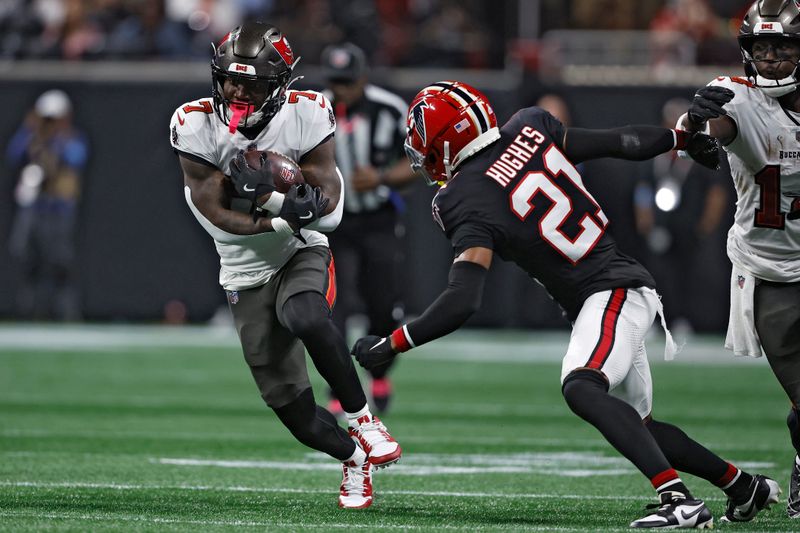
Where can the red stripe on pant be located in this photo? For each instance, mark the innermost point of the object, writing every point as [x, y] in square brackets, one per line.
[330, 291]
[608, 329]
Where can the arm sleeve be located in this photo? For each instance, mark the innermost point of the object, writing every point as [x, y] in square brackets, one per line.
[450, 310]
[635, 143]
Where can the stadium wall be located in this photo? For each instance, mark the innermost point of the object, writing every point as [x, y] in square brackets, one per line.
[140, 247]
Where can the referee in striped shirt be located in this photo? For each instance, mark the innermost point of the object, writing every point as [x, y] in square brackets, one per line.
[370, 132]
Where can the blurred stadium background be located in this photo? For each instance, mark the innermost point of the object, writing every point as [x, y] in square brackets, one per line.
[100, 424]
[127, 64]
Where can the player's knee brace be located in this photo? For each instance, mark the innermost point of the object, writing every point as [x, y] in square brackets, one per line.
[793, 422]
[582, 388]
[306, 314]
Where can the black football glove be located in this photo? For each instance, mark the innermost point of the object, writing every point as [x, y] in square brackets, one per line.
[707, 104]
[372, 351]
[704, 150]
[249, 182]
[302, 205]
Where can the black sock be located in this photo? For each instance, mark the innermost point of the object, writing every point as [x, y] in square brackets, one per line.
[793, 423]
[689, 456]
[315, 427]
[586, 393]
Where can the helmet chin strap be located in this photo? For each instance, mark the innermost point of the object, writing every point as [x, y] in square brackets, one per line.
[446, 160]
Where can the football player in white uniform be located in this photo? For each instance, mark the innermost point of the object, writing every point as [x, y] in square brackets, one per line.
[275, 263]
[757, 120]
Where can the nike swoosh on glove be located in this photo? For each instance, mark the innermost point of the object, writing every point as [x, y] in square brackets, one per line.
[249, 182]
[302, 205]
[372, 351]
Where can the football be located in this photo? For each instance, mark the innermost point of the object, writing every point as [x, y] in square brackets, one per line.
[284, 170]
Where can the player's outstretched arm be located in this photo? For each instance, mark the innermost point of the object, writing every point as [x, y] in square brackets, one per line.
[447, 313]
[210, 194]
[638, 143]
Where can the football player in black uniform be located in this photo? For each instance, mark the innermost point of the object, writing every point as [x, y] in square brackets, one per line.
[514, 191]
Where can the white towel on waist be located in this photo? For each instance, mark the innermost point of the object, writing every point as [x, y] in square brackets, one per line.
[742, 337]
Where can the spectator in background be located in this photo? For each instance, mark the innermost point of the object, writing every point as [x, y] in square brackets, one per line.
[452, 36]
[679, 209]
[50, 155]
[687, 32]
[367, 245]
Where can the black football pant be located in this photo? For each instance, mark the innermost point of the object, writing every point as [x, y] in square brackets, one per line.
[777, 316]
[367, 248]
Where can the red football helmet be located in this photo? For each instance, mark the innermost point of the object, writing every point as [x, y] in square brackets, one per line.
[447, 122]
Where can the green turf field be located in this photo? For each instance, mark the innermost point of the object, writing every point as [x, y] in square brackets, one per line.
[149, 429]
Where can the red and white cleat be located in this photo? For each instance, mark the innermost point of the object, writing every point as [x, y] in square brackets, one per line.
[356, 489]
[374, 438]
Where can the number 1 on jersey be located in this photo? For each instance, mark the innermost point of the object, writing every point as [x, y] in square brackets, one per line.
[768, 214]
[592, 224]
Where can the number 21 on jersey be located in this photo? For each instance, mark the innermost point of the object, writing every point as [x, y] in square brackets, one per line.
[592, 222]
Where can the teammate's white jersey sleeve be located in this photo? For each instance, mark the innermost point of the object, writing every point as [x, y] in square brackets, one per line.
[302, 123]
[765, 165]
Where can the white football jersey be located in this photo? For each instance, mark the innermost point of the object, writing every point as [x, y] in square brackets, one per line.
[765, 164]
[303, 122]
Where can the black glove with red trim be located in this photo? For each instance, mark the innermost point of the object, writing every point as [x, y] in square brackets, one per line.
[372, 351]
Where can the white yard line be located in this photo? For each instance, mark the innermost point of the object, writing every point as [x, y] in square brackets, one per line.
[557, 464]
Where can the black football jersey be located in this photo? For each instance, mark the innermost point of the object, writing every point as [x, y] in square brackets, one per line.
[522, 198]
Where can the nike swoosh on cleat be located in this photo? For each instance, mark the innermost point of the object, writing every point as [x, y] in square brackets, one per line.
[248, 190]
[692, 514]
[307, 216]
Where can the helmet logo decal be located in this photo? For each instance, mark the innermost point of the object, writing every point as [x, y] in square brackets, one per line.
[419, 120]
[283, 48]
[768, 27]
[245, 69]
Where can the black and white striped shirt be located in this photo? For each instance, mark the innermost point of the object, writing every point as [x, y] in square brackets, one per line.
[371, 132]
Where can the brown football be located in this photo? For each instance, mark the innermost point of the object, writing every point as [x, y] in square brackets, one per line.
[284, 170]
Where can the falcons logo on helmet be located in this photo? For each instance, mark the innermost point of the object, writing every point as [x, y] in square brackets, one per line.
[419, 120]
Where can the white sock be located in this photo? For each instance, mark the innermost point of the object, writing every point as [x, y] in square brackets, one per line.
[797, 460]
[352, 418]
[358, 457]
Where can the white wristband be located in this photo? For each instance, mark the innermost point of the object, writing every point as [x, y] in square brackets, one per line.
[281, 226]
[274, 203]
